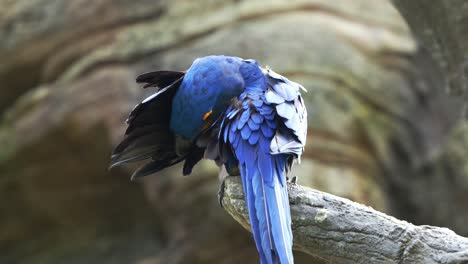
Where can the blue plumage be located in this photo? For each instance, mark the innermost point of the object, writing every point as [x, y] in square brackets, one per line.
[263, 174]
[251, 120]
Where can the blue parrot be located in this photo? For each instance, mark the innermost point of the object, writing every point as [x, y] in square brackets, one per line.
[248, 119]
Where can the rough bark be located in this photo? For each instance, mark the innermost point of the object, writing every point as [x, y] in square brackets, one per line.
[341, 231]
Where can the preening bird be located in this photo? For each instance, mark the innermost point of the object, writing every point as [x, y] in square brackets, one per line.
[248, 119]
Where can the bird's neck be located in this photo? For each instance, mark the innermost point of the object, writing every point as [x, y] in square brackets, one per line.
[257, 86]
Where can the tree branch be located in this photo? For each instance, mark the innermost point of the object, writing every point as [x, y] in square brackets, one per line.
[339, 230]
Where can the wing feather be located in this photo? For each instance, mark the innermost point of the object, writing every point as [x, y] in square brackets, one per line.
[290, 107]
[159, 79]
[148, 135]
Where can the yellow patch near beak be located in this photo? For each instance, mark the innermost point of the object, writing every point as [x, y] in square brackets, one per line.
[205, 117]
[208, 124]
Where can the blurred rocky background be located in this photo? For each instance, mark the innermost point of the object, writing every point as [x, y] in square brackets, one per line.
[383, 129]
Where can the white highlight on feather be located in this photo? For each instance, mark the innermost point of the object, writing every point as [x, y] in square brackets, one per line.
[156, 94]
[267, 70]
[279, 200]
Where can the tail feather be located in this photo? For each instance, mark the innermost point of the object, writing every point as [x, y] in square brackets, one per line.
[262, 213]
[254, 221]
[278, 205]
[268, 207]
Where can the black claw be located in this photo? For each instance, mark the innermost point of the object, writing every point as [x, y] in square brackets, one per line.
[293, 180]
[221, 193]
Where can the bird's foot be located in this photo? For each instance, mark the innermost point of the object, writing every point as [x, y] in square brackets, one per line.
[292, 180]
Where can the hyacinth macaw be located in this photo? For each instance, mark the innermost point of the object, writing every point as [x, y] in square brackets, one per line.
[248, 119]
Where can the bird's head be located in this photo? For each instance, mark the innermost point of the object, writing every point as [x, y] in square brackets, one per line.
[206, 91]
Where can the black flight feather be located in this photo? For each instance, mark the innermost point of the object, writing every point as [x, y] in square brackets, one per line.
[159, 78]
[148, 135]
